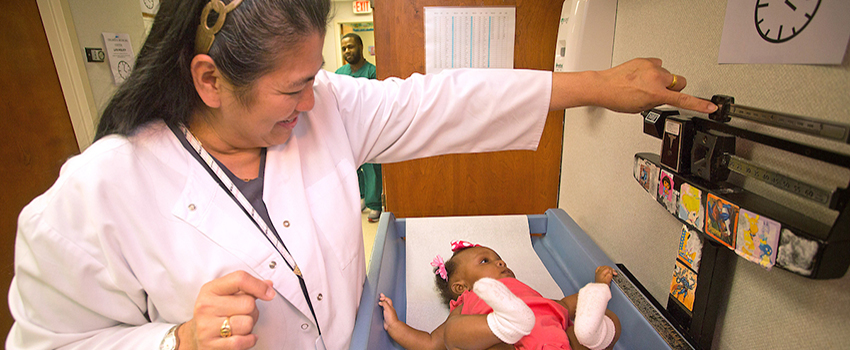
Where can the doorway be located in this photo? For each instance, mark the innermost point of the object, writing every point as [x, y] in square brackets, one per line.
[366, 31]
[36, 135]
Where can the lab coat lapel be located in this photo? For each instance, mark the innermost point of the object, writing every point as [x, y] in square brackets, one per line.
[206, 206]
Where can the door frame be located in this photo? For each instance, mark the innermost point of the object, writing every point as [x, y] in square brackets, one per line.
[70, 66]
[338, 35]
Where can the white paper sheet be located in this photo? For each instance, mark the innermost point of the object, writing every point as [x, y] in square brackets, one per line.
[120, 54]
[823, 40]
[426, 237]
[469, 37]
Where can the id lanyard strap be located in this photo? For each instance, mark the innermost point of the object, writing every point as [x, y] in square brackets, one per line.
[224, 181]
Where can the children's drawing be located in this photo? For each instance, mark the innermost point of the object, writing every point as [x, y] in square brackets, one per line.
[721, 219]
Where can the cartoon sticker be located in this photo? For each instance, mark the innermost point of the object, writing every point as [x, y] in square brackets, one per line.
[683, 286]
[690, 248]
[666, 192]
[690, 205]
[758, 238]
[721, 220]
[646, 173]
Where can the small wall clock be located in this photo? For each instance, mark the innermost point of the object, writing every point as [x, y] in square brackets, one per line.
[778, 21]
[124, 69]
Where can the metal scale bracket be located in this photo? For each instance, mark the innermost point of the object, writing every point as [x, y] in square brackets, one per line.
[699, 152]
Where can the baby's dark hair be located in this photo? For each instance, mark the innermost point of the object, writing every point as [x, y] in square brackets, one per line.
[443, 285]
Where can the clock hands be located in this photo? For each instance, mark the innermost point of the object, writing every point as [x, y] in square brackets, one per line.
[788, 2]
[777, 24]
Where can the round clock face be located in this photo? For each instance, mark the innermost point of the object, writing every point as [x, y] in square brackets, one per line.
[123, 69]
[780, 20]
[149, 4]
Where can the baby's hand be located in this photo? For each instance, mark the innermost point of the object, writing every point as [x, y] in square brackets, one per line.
[604, 274]
[390, 315]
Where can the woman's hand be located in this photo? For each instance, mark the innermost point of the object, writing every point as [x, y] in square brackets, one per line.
[634, 86]
[604, 274]
[232, 298]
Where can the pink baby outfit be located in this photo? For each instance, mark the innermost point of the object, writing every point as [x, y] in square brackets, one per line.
[551, 318]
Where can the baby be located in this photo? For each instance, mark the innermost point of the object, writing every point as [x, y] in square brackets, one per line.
[491, 309]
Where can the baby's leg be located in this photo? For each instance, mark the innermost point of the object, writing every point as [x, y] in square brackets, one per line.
[511, 318]
[592, 327]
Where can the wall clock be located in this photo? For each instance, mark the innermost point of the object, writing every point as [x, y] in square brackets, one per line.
[124, 69]
[778, 21]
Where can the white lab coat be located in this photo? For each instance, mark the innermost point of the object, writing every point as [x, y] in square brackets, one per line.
[115, 252]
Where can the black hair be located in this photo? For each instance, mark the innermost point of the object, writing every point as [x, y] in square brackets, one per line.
[254, 35]
[355, 36]
[443, 285]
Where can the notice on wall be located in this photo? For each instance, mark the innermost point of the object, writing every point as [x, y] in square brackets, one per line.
[785, 31]
[120, 55]
[469, 37]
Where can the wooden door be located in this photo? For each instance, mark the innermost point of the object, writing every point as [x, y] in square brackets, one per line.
[514, 182]
[36, 136]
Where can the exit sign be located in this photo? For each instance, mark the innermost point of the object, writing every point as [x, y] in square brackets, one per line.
[362, 6]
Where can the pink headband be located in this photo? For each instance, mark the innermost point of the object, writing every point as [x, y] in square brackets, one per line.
[459, 245]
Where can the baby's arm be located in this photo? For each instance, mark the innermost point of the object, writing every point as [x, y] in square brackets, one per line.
[589, 320]
[510, 320]
[604, 274]
[406, 336]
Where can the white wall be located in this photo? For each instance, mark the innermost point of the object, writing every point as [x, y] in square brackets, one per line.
[766, 309]
[93, 17]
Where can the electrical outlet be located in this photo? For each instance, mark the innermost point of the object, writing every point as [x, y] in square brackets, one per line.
[95, 54]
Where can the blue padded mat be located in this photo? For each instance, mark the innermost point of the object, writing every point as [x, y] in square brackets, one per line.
[564, 248]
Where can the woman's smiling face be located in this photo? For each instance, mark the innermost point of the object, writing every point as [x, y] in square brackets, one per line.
[277, 99]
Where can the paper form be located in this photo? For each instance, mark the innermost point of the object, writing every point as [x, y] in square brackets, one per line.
[469, 37]
[120, 54]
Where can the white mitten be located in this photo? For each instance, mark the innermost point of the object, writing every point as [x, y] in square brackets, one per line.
[511, 319]
[593, 329]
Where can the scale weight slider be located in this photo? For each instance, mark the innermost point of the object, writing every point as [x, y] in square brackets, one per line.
[724, 105]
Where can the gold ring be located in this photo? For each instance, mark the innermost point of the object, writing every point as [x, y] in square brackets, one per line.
[675, 80]
[226, 331]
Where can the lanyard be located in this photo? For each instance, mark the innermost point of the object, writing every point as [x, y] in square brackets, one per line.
[271, 235]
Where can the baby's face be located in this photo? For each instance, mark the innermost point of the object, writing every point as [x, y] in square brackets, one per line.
[478, 262]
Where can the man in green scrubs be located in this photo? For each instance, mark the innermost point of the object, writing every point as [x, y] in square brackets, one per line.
[369, 175]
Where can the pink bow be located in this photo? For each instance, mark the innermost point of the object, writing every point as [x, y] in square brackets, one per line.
[458, 245]
[441, 267]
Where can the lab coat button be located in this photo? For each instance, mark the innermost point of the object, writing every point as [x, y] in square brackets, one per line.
[191, 207]
[305, 326]
[272, 264]
[285, 223]
[319, 297]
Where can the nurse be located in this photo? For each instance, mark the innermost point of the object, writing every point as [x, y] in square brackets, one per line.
[219, 206]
